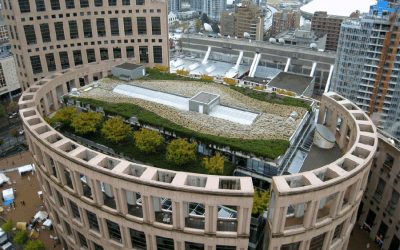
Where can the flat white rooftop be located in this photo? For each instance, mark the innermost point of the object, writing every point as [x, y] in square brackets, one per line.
[182, 103]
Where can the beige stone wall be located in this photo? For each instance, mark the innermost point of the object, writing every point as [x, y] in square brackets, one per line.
[53, 156]
[22, 51]
[317, 209]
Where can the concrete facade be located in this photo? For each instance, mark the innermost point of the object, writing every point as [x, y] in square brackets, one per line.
[379, 212]
[93, 198]
[318, 209]
[366, 68]
[8, 75]
[53, 36]
[323, 24]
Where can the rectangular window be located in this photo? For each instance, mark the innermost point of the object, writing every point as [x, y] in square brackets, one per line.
[64, 60]
[75, 210]
[144, 54]
[155, 25]
[51, 63]
[379, 189]
[36, 65]
[68, 227]
[126, 2]
[114, 26]
[70, 4]
[97, 247]
[82, 240]
[389, 160]
[164, 243]
[98, 3]
[117, 53]
[73, 29]
[45, 31]
[140, 2]
[101, 27]
[114, 231]
[77, 57]
[30, 34]
[60, 199]
[93, 222]
[84, 3]
[91, 56]
[55, 4]
[112, 2]
[40, 5]
[128, 26]
[103, 54]
[141, 25]
[24, 6]
[87, 28]
[157, 54]
[59, 26]
[130, 52]
[138, 239]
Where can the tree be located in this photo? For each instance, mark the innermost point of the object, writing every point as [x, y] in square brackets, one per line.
[260, 202]
[12, 107]
[21, 237]
[116, 130]
[35, 245]
[8, 226]
[148, 140]
[180, 151]
[215, 164]
[14, 133]
[64, 116]
[198, 25]
[85, 123]
[205, 19]
[2, 111]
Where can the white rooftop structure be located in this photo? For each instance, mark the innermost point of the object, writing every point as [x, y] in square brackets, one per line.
[338, 7]
[182, 103]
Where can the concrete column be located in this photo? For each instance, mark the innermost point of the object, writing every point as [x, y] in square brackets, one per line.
[305, 245]
[279, 221]
[148, 209]
[343, 132]
[76, 179]
[321, 113]
[176, 214]
[98, 193]
[332, 122]
[179, 245]
[310, 213]
[123, 205]
[55, 99]
[116, 199]
[46, 105]
[151, 242]
[243, 226]
[211, 217]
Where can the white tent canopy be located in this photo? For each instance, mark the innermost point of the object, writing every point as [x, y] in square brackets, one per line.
[41, 215]
[8, 194]
[3, 178]
[25, 169]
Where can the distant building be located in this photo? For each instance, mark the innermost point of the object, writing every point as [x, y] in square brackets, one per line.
[174, 5]
[214, 8]
[284, 20]
[304, 38]
[247, 21]
[9, 84]
[3, 30]
[366, 68]
[172, 17]
[196, 5]
[227, 23]
[324, 24]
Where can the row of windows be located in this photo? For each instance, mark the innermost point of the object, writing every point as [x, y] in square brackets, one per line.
[91, 57]
[137, 238]
[25, 7]
[31, 38]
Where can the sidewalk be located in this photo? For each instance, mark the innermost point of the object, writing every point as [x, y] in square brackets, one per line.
[17, 160]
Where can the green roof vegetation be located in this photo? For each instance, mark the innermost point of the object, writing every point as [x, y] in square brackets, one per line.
[273, 98]
[270, 149]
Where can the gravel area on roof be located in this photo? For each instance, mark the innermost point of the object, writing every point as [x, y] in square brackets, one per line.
[273, 123]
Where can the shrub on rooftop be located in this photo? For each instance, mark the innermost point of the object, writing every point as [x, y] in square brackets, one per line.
[64, 116]
[21, 237]
[260, 202]
[214, 164]
[180, 152]
[35, 245]
[147, 140]
[7, 226]
[116, 130]
[86, 123]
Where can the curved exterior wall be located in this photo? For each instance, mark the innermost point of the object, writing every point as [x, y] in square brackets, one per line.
[317, 209]
[61, 169]
[379, 212]
[52, 35]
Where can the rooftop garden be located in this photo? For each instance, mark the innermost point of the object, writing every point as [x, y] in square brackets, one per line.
[141, 145]
[270, 149]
